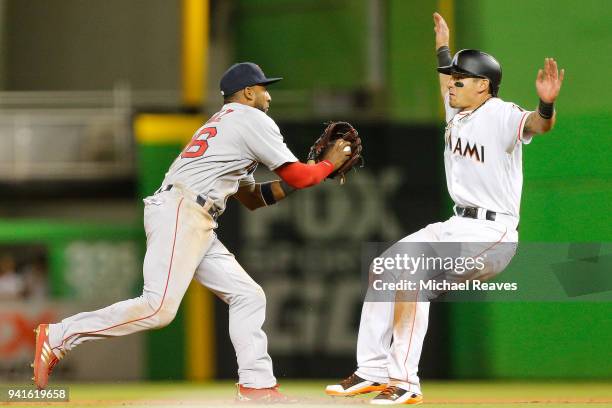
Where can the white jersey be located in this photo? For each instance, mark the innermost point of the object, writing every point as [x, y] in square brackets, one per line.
[483, 156]
[225, 151]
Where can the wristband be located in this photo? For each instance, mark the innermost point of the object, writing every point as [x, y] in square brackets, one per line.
[546, 110]
[444, 56]
[287, 189]
[266, 193]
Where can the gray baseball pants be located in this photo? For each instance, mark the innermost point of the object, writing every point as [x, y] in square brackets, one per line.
[181, 245]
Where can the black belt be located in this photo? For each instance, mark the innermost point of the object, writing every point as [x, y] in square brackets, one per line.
[200, 199]
[472, 212]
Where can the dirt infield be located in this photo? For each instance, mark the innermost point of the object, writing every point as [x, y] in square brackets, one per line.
[310, 393]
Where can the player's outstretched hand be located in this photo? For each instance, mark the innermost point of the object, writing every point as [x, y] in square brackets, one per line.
[549, 81]
[441, 30]
[338, 153]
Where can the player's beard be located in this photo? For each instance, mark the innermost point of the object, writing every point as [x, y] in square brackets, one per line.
[262, 105]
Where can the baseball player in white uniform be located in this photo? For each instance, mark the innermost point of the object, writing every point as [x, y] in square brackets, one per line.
[180, 221]
[483, 162]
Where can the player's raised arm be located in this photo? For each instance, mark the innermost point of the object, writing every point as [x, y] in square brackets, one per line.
[442, 49]
[548, 84]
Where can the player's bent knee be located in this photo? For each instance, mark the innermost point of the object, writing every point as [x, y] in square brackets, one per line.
[167, 311]
[165, 317]
[162, 311]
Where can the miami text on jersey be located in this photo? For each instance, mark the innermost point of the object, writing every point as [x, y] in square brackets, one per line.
[475, 151]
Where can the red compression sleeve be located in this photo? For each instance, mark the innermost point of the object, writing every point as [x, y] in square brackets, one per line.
[300, 175]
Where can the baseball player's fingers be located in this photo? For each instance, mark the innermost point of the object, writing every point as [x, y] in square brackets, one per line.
[341, 143]
[551, 65]
[555, 69]
[551, 69]
[547, 71]
[561, 76]
[540, 77]
[439, 21]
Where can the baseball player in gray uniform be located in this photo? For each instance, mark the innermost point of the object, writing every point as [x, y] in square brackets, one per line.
[180, 221]
[483, 162]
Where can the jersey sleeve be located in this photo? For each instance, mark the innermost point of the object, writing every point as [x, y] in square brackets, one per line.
[513, 125]
[265, 144]
[247, 180]
[450, 111]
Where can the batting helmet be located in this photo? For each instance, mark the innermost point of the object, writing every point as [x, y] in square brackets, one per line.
[477, 64]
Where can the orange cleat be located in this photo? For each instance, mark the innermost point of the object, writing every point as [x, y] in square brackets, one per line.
[262, 395]
[393, 395]
[44, 358]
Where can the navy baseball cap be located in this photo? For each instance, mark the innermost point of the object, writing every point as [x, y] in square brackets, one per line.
[241, 75]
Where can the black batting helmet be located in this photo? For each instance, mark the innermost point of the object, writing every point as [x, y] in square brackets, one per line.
[477, 64]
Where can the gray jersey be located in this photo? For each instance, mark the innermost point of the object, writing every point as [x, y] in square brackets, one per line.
[224, 153]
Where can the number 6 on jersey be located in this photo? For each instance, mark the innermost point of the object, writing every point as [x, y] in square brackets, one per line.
[199, 144]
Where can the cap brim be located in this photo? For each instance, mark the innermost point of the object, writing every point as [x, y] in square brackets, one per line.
[450, 70]
[269, 81]
[447, 70]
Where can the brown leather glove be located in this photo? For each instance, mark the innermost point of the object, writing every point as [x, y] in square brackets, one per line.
[334, 131]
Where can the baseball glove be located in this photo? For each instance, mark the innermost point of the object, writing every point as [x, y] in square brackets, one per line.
[333, 132]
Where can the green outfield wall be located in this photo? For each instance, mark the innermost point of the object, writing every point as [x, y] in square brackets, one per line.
[567, 188]
[313, 44]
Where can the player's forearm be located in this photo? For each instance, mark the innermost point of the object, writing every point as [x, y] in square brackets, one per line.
[444, 59]
[259, 195]
[250, 196]
[542, 120]
[274, 191]
[540, 125]
[299, 175]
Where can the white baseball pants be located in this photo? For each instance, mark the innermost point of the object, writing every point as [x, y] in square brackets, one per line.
[391, 334]
[181, 245]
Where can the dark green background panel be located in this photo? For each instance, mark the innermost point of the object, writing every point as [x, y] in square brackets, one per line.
[567, 188]
[312, 44]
